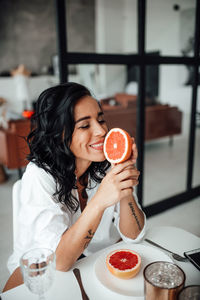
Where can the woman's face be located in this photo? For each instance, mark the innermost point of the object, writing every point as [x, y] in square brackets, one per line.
[89, 133]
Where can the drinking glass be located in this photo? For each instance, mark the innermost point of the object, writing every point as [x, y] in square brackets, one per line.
[38, 270]
[190, 292]
[162, 281]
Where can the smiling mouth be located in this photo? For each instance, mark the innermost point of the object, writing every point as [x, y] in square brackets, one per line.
[97, 146]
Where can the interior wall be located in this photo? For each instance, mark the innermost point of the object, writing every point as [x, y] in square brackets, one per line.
[28, 32]
[109, 38]
[28, 36]
[80, 24]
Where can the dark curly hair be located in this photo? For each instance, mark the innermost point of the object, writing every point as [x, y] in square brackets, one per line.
[52, 126]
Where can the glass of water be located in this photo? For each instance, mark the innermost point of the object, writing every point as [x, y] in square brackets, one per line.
[162, 281]
[38, 270]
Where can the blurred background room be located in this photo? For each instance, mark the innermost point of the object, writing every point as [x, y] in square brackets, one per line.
[141, 61]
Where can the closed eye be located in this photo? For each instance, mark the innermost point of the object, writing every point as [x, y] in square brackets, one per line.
[84, 126]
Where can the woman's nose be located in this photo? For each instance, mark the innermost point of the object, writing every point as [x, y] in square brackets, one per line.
[100, 130]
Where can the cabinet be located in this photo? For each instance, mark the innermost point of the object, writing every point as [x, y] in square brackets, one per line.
[13, 147]
[161, 120]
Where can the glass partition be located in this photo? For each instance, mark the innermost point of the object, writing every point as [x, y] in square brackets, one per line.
[103, 80]
[170, 27]
[102, 26]
[166, 146]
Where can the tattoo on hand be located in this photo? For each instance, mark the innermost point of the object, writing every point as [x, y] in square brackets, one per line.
[88, 237]
[134, 214]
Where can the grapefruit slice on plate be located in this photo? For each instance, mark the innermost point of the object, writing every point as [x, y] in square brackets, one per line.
[123, 263]
[117, 146]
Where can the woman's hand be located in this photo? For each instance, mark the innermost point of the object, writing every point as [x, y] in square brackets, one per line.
[117, 184]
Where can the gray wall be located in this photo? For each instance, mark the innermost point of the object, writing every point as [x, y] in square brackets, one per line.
[81, 25]
[28, 33]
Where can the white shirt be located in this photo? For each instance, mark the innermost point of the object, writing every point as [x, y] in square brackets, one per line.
[42, 220]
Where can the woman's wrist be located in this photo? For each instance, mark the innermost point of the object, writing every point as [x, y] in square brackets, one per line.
[127, 199]
[97, 204]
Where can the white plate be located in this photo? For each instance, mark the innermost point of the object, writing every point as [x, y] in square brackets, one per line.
[130, 287]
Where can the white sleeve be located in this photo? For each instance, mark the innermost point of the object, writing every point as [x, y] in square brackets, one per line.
[41, 218]
[117, 219]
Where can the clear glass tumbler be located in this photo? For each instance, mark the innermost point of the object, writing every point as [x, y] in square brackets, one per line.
[190, 292]
[38, 270]
[163, 281]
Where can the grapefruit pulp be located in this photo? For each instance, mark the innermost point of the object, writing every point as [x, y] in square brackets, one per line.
[123, 263]
[117, 146]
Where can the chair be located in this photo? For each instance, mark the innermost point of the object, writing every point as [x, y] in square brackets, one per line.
[15, 203]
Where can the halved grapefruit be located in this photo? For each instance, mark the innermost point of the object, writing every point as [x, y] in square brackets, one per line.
[117, 146]
[123, 263]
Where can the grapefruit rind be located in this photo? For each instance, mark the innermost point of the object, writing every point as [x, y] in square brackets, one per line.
[128, 142]
[123, 274]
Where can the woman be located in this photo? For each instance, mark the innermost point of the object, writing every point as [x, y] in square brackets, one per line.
[72, 201]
